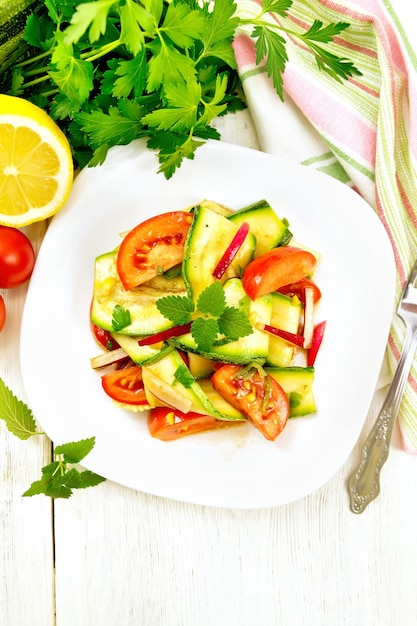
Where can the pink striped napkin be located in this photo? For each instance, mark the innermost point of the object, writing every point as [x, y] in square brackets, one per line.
[363, 131]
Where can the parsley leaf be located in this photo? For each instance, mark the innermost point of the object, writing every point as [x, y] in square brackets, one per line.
[16, 414]
[121, 318]
[183, 375]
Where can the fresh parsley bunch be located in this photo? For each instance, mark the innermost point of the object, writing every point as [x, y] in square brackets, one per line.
[111, 71]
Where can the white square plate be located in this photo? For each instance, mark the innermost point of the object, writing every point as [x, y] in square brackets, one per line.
[232, 468]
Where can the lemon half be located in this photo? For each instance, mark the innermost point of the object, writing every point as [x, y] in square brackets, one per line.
[36, 166]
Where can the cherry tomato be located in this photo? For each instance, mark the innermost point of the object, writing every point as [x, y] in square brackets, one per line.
[17, 257]
[167, 424]
[152, 247]
[298, 289]
[2, 313]
[274, 269]
[104, 338]
[260, 398]
[125, 385]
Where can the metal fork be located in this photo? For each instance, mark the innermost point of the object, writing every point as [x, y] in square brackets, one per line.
[363, 484]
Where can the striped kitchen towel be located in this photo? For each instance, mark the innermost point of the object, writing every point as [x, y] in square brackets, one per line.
[362, 131]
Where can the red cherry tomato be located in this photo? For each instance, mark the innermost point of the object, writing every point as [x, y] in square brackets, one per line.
[167, 424]
[125, 385]
[17, 257]
[276, 268]
[262, 400]
[154, 246]
[2, 313]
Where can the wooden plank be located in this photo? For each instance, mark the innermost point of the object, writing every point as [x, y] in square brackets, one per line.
[26, 547]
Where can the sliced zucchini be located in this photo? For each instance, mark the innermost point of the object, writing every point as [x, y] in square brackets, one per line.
[208, 238]
[297, 383]
[139, 354]
[140, 302]
[270, 231]
[286, 315]
[163, 387]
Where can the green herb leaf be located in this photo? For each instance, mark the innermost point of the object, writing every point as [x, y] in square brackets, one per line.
[58, 480]
[121, 318]
[234, 324]
[212, 300]
[204, 332]
[16, 414]
[75, 451]
[90, 16]
[177, 309]
[183, 375]
[271, 45]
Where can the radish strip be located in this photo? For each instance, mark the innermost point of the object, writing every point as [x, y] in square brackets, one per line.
[231, 250]
[175, 331]
[316, 343]
[107, 358]
[297, 340]
[308, 317]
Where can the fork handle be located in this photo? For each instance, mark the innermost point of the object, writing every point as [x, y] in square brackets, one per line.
[364, 483]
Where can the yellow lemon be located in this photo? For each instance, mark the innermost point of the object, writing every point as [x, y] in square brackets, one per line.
[36, 166]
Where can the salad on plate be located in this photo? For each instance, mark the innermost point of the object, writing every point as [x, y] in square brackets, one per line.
[207, 318]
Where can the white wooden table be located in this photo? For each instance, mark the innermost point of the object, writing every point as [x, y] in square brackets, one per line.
[110, 556]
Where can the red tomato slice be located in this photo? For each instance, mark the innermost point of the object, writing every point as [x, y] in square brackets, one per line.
[276, 268]
[125, 385]
[2, 313]
[267, 408]
[152, 247]
[104, 338]
[167, 424]
[298, 289]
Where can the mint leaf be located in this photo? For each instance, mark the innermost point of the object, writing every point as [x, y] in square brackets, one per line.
[234, 324]
[212, 300]
[177, 309]
[16, 414]
[204, 332]
[75, 451]
[58, 480]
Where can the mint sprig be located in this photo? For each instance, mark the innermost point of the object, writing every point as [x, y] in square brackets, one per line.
[58, 478]
[211, 318]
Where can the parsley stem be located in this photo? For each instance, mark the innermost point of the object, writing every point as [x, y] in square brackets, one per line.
[36, 81]
[100, 52]
[34, 59]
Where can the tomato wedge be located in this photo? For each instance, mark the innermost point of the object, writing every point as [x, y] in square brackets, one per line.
[298, 289]
[167, 424]
[104, 337]
[125, 385]
[276, 268]
[260, 398]
[152, 247]
[2, 313]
